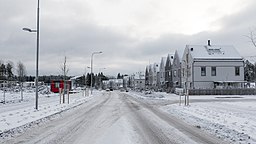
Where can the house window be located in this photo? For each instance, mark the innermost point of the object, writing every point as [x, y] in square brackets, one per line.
[183, 72]
[57, 85]
[213, 71]
[179, 72]
[237, 71]
[203, 71]
[175, 73]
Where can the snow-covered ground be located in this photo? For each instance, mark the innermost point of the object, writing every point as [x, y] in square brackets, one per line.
[232, 118]
[17, 115]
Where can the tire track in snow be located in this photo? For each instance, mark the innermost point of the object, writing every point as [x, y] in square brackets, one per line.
[194, 133]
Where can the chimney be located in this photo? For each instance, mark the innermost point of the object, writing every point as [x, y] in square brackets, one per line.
[209, 42]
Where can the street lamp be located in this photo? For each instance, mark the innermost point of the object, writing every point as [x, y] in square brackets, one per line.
[85, 75]
[92, 66]
[37, 51]
[85, 80]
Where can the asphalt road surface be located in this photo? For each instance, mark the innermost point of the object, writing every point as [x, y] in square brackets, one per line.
[115, 118]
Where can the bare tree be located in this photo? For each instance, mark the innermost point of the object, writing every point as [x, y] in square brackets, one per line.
[21, 72]
[64, 70]
[252, 37]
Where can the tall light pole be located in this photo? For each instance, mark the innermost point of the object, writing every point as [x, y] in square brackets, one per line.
[37, 51]
[92, 66]
[85, 76]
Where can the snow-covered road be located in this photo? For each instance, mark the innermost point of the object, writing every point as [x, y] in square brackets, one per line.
[114, 117]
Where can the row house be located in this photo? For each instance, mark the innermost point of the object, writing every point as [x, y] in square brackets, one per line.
[151, 76]
[197, 67]
[176, 68]
[161, 83]
[212, 66]
[147, 77]
[169, 73]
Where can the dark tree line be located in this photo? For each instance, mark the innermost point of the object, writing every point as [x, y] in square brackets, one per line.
[6, 71]
[96, 80]
[249, 71]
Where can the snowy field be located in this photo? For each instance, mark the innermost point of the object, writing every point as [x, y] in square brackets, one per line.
[17, 116]
[232, 118]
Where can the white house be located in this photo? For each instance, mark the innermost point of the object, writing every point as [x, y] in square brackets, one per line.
[212, 66]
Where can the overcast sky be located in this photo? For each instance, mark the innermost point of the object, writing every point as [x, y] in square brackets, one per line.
[130, 33]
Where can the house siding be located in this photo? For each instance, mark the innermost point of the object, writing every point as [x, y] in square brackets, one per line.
[176, 69]
[168, 74]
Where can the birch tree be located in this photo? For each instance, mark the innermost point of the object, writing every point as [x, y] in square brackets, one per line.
[64, 70]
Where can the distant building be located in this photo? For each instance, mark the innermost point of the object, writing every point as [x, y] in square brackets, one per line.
[113, 83]
[176, 68]
[75, 81]
[56, 85]
[147, 77]
[168, 73]
[153, 76]
[161, 83]
[139, 81]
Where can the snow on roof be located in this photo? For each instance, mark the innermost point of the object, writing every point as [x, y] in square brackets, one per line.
[147, 68]
[75, 77]
[150, 67]
[163, 60]
[157, 67]
[180, 53]
[139, 76]
[171, 57]
[251, 59]
[213, 51]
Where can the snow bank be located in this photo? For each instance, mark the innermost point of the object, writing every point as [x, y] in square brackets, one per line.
[17, 116]
[232, 121]
[231, 118]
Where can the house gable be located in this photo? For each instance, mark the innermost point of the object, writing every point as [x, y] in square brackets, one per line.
[202, 65]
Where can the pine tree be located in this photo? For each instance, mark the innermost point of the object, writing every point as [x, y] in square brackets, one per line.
[249, 71]
[9, 72]
[118, 76]
[2, 71]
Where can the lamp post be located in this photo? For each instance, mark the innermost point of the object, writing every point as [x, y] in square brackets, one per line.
[85, 80]
[85, 75]
[92, 65]
[37, 51]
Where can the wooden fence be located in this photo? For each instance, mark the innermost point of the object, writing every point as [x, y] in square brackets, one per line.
[241, 91]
